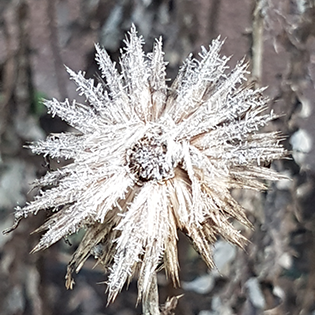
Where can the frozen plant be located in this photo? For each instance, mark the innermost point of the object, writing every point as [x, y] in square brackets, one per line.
[149, 160]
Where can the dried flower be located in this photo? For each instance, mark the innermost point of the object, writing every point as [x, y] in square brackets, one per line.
[149, 160]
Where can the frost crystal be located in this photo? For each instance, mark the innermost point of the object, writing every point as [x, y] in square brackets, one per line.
[149, 160]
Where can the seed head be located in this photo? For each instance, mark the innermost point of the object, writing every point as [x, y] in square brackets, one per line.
[149, 160]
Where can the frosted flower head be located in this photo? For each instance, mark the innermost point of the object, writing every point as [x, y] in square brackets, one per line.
[149, 160]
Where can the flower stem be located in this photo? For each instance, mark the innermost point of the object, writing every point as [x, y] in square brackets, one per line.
[151, 303]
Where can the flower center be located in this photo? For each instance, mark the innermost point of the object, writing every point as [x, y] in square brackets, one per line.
[149, 159]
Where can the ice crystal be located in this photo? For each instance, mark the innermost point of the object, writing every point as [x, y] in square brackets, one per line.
[149, 160]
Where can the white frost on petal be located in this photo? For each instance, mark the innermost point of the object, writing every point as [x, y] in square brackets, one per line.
[148, 160]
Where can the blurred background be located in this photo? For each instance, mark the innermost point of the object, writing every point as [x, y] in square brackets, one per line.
[276, 273]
